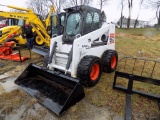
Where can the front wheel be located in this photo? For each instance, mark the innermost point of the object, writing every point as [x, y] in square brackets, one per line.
[38, 41]
[89, 70]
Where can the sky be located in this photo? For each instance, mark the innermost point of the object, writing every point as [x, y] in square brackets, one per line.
[112, 10]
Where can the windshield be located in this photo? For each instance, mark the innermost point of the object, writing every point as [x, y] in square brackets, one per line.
[73, 24]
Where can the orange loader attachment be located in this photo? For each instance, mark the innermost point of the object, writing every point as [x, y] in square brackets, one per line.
[6, 52]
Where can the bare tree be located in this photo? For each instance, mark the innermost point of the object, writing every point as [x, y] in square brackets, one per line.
[70, 3]
[140, 6]
[102, 3]
[130, 5]
[38, 6]
[155, 5]
[122, 5]
[58, 4]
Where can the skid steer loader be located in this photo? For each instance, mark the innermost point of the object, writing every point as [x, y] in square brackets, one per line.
[77, 58]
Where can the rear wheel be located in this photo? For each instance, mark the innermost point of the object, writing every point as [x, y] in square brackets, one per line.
[89, 70]
[109, 61]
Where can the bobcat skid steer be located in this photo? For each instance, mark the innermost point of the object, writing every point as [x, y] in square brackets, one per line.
[77, 58]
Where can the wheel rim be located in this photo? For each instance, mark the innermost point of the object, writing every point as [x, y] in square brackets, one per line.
[113, 62]
[95, 70]
[39, 41]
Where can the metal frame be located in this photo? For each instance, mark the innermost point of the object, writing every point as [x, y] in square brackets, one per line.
[19, 52]
[131, 78]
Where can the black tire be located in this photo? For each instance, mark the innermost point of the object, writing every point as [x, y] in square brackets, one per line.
[84, 70]
[35, 42]
[46, 59]
[108, 57]
[35, 37]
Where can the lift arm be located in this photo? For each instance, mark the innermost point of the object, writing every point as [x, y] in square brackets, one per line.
[47, 20]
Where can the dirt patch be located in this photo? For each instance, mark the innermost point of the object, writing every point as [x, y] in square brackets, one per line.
[2, 90]
[12, 100]
[17, 67]
[82, 110]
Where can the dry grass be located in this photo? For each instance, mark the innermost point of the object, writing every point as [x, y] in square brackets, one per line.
[12, 100]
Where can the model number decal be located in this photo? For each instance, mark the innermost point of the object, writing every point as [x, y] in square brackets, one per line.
[19, 17]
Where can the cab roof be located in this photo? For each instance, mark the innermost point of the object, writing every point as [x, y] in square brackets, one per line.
[81, 8]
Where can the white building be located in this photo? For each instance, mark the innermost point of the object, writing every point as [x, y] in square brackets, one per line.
[140, 23]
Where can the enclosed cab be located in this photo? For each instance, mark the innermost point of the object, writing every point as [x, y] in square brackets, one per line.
[81, 20]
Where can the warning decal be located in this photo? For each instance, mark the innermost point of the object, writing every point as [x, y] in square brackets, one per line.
[112, 38]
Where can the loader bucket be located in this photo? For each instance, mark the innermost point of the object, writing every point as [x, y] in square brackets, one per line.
[56, 91]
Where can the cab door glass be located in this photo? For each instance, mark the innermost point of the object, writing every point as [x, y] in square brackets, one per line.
[96, 21]
[62, 20]
[20, 22]
[54, 25]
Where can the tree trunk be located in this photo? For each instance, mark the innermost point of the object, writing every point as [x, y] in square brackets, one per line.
[121, 16]
[128, 22]
[158, 19]
[121, 20]
[130, 5]
[135, 24]
[101, 3]
[76, 2]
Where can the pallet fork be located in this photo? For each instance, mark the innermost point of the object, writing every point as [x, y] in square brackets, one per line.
[132, 76]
